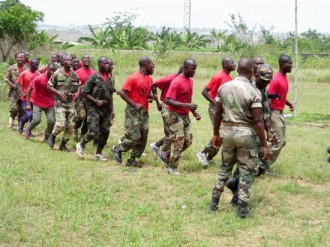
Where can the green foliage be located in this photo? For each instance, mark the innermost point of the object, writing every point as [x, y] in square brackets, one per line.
[99, 37]
[128, 38]
[18, 24]
[166, 40]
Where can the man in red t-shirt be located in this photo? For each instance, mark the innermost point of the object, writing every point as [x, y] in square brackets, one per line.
[210, 91]
[43, 101]
[163, 84]
[24, 80]
[136, 92]
[279, 85]
[178, 101]
[80, 119]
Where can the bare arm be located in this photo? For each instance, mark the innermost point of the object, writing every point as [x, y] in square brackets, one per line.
[206, 95]
[290, 105]
[178, 104]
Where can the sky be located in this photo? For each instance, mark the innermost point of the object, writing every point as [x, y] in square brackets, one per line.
[280, 14]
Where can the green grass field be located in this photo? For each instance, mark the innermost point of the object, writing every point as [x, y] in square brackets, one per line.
[51, 198]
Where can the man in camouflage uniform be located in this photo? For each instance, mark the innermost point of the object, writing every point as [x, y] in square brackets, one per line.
[239, 109]
[15, 103]
[262, 77]
[64, 83]
[136, 92]
[98, 92]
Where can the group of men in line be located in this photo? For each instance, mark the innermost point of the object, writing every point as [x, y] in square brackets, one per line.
[244, 115]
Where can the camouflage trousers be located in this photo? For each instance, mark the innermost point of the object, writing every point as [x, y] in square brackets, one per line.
[278, 130]
[80, 120]
[178, 140]
[64, 116]
[136, 131]
[165, 114]
[98, 122]
[209, 150]
[15, 105]
[238, 146]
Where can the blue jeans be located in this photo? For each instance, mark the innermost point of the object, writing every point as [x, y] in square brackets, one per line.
[27, 116]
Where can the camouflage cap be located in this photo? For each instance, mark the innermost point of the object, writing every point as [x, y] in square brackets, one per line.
[265, 72]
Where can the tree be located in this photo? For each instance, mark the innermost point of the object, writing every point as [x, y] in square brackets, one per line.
[18, 24]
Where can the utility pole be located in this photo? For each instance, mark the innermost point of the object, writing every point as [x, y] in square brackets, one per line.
[296, 62]
[187, 14]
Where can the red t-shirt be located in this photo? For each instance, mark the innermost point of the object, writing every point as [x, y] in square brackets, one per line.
[137, 87]
[163, 84]
[279, 84]
[216, 81]
[181, 89]
[25, 79]
[84, 74]
[42, 97]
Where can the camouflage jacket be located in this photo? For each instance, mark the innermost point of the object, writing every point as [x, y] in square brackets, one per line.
[238, 97]
[12, 75]
[63, 83]
[99, 89]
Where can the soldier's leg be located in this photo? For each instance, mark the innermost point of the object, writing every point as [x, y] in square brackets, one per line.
[278, 130]
[178, 141]
[138, 149]
[165, 115]
[103, 133]
[93, 122]
[60, 120]
[165, 149]
[132, 129]
[229, 159]
[69, 126]
[248, 168]
[13, 106]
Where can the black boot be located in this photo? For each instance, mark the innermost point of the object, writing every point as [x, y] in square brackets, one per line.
[51, 140]
[63, 147]
[242, 210]
[214, 204]
[132, 162]
[234, 199]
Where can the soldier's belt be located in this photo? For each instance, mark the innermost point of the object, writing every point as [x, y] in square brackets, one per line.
[237, 124]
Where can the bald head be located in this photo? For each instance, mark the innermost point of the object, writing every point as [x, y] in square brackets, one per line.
[245, 68]
[189, 67]
[256, 61]
[146, 66]
[144, 61]
[228, 65]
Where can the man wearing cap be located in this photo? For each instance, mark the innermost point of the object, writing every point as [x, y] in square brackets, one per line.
[279, 85]
[263, 76]
[239, 109]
